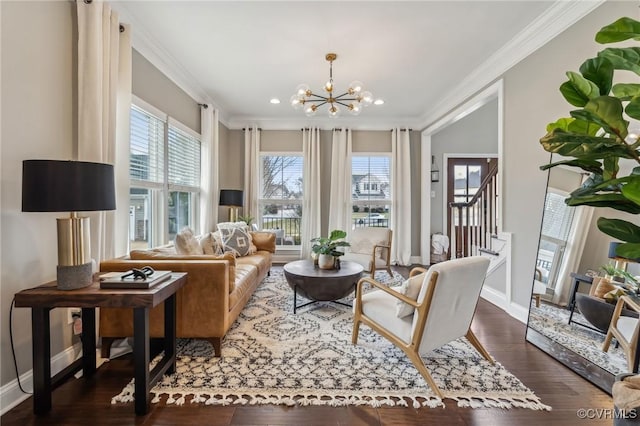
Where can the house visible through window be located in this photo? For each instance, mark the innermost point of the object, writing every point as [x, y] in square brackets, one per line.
[280, 200]
[164, 173]
[371, 190]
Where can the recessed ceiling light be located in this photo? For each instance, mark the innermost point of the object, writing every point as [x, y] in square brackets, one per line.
[378, 102]
[275, 101]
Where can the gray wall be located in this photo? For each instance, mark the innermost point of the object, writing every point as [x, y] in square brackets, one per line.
[37, 123]
[152, 86]
[477, 133]
[532, 100]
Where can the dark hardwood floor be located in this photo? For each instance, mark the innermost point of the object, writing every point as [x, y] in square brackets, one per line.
[87, 402]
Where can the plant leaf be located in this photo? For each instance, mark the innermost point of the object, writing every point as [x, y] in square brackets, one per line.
[620, 229]
[591, 166]
[614, 200]
[633, 108]
[583, 127]
[575, 145]
[605, 111]
[623, 29]
[626, 58]
[600, 71]
[626, 91]
[336, 234]
[631, 190]
[629, 251]
[578, 90]
[561, 123]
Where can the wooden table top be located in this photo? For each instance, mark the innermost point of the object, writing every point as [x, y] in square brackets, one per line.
[49, 296]
[305, 268]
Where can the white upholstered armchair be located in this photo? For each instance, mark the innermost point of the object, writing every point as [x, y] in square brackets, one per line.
[371, 248]
[437, 307]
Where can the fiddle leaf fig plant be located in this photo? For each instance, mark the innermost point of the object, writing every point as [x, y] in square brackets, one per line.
[597, 134]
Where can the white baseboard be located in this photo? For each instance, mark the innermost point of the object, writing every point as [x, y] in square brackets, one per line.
[416, 260]
[499, 299]
[11, 395]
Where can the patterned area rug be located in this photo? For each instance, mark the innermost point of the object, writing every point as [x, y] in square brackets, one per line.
[553, 322]
[271, 356]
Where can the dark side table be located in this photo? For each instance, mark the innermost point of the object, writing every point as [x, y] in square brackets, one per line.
[47, 296]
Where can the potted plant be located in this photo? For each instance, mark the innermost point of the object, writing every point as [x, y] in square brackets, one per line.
[598, 133]
[246, 219]
[327, 248]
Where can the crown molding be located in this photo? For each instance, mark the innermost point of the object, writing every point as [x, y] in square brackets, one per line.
[161, 59]
[324, 123]
[547, 26]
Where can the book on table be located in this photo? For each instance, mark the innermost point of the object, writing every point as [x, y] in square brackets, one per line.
[127, 280]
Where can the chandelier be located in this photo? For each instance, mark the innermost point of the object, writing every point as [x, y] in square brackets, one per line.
[353, 99]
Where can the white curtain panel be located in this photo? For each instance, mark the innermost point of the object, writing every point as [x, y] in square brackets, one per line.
[101, 60]
[209, 166]
[340, 195]
[251, 171]
[401, 197]
[573, 253]
[312, 190]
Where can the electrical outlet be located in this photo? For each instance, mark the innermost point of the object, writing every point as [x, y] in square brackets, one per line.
[72, 313]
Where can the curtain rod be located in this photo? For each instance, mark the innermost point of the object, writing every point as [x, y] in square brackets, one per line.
[205, 106]
[259, 129]
[403, 130]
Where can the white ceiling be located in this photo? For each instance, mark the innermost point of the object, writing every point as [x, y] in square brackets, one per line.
[417, 56]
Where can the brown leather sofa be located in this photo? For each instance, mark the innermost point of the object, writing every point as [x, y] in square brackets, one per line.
[217, 289]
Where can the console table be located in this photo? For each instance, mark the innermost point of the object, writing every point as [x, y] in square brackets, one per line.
[47, 296]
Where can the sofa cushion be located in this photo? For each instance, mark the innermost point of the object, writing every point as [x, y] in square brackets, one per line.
[245, 282]
[264, 240]
[187, 243]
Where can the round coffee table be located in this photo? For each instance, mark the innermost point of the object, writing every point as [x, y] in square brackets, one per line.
[321, 285]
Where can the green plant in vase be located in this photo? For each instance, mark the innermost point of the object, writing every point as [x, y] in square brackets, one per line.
[327, 248]
[597, 134]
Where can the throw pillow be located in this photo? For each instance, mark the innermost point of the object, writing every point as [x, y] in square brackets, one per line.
[411, 289]
[603, 287]
[236, 241]
[186, 242]
[264, 240]
[210, 244]
[237, 225]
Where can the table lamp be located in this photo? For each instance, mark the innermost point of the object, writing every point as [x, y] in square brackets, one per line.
[69, 186]
[233, 199]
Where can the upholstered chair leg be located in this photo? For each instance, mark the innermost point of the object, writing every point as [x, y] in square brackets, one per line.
[607, 341]
[476, 344]
[389, 271]
[105, 350]
[216, 342]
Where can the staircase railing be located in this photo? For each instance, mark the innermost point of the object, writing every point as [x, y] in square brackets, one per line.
[473, 223]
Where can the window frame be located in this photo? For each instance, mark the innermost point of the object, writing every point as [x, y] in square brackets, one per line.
[280, 202]
[160, 191]
[388, 202]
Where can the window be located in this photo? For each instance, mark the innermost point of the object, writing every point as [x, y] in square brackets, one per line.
[556, 225]
[164, 172]
[371, 190]
[280, 197]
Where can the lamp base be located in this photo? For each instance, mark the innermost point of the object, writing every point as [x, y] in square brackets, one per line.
[75, 276]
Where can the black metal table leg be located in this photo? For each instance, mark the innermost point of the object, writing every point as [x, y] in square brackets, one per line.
[141, 360]
[88, 342]
[41, 360]
[170, 332]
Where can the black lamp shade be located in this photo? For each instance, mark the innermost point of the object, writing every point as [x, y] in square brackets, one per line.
[231, 197]
[612, 250]
[67, 186]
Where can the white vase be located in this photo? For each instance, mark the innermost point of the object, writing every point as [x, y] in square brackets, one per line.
[325, 261]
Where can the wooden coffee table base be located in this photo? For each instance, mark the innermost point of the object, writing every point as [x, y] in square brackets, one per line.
[321, 285]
